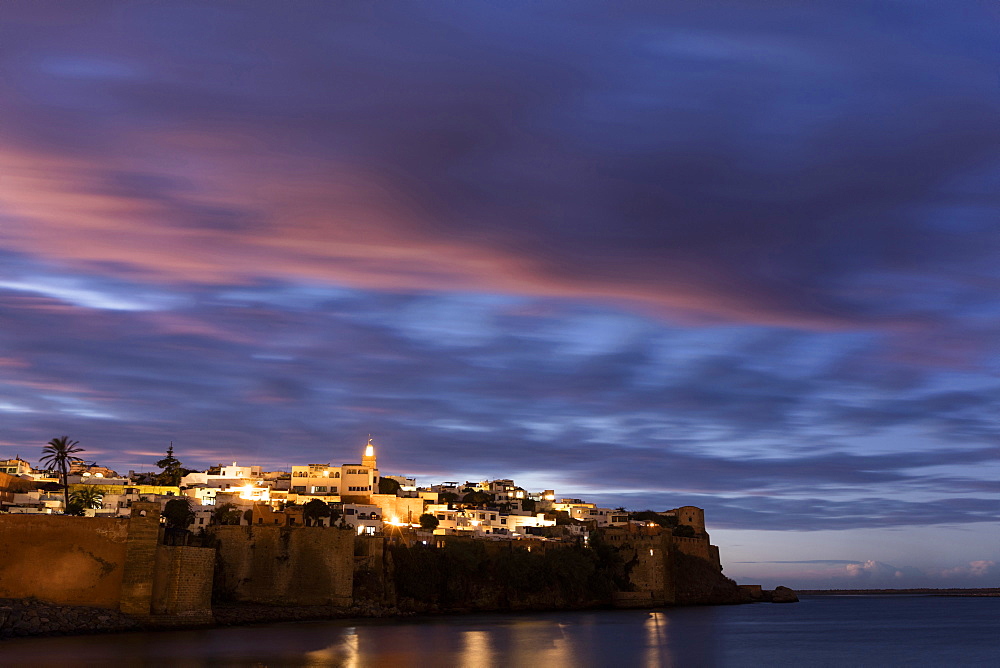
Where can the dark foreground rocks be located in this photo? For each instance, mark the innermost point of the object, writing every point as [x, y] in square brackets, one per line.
[248, 613]
[781, 595]
[27, 617]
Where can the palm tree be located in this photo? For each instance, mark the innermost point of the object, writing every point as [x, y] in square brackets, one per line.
[87, 497]
[60, 454]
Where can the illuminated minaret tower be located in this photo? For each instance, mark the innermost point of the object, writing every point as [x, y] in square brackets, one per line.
[369, 458]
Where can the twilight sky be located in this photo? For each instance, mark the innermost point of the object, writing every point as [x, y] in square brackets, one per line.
[743, 255]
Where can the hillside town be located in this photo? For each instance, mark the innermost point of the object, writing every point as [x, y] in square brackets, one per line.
[353, 494]
[235, 543]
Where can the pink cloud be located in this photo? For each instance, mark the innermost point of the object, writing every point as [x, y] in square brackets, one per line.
[313, 219]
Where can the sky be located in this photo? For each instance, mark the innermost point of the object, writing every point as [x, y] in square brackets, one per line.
[737, 255]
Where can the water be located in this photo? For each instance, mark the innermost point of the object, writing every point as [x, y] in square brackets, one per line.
[819, 631]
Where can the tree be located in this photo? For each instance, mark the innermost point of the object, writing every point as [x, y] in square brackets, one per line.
[447, 497]
[178, 513]
[684, 531]
[388, 486]
[428, 522]
[82, 499]
[226, 513]
[314, 511]
[171, 471]
[60, 454]
[477, 499]
[528, 505]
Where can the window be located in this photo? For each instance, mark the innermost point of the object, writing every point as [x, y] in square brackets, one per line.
[299, 490]
[337, 474]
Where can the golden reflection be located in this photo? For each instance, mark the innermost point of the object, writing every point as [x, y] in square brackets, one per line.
[542, 643]
[344, 654]
[657, 653]
[477, 650]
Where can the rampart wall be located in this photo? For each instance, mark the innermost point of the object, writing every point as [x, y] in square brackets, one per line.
[104, 562]
[182, 586]
[696, 547]
[285, 566]
[63, 559]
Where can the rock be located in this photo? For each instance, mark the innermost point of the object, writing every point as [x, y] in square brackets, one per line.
[784, 595]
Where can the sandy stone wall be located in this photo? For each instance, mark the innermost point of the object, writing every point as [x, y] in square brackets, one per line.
[652, 568]
[183, 581]
[63, 559]
[285, 565]
[104, 562]
[696, 547]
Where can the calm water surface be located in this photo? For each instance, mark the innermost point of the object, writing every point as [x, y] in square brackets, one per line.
[819, 631]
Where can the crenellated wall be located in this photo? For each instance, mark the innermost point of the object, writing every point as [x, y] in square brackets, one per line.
[696, 547]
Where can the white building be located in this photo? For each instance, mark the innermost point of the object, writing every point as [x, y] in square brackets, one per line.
[346, 480]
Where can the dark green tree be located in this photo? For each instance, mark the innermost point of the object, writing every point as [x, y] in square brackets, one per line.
[651, 516]
[528, 505]
[60, 454]
[177, 513]
[447, 497]
[478, 499]
[314, 511]
[226, 514]
[428, 522]
[171, 471]
[388, 486]
[684, 531]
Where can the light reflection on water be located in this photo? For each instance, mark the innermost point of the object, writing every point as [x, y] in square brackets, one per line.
[817, 632]
[656, 640]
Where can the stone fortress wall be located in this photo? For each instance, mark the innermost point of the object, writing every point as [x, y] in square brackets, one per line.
[284, 565]
[63, 559]
[104, 562]
[120, 564]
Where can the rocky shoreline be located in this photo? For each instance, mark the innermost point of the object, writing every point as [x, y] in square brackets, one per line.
[20, 618]
[29, 617]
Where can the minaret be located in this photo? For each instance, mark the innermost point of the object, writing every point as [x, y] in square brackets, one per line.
[369, 458]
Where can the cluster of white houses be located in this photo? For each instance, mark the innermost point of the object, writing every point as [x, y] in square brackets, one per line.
[351, 491]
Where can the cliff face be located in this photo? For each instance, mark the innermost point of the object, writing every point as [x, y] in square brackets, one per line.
[471, 575]
[700, 582]
[476, 575]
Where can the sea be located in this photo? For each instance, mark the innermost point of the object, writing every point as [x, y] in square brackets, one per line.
[893, 630]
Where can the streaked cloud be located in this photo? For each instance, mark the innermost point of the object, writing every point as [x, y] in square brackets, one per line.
[652, 254]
